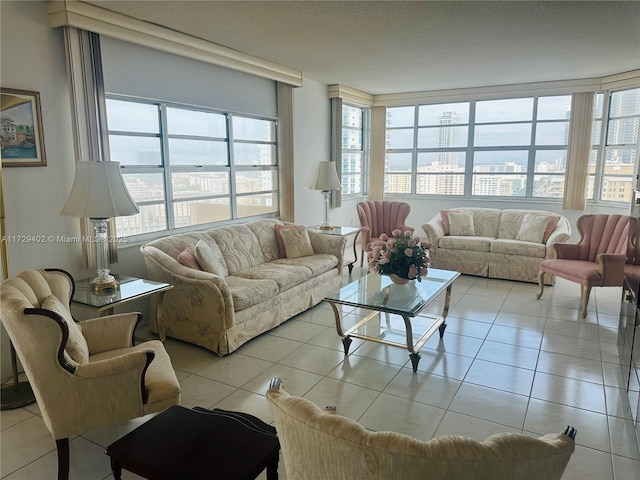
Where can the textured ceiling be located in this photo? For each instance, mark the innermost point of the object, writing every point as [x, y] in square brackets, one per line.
[396, 46]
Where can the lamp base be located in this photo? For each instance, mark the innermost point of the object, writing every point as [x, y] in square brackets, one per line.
[99, 284]
[16, 396]
[326, 227]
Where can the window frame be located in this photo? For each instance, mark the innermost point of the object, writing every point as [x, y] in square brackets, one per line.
[364, 129]
[532, 148]
[230, 168]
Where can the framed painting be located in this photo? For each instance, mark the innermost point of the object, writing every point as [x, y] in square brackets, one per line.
[21, 137]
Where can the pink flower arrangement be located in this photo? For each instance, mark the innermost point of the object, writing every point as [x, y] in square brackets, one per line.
[401, 254]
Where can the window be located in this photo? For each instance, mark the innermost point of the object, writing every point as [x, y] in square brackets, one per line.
[354, 149]
[512, 147]
[185, 166]
[620, 150]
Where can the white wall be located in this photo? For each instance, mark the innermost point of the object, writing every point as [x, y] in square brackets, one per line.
[33, 58]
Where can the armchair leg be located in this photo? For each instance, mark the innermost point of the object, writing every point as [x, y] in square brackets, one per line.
[63, 458]
[586, 292]
[540, 284]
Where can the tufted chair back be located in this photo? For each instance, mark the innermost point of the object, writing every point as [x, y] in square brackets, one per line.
[597, 260]
[378, 217]
[602, 234]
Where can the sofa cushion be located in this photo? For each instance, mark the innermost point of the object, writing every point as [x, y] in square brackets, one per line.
[511, 220]
[461, 223]
[209, 257]
[76, 347]
[475, 244]
[517, 247]
[246, 292]
[266, 235]
[485, 220]
[532, 228]
[278, 229]
[188, 257]
[296, 242]
[318, 263]
[286, 276]
[239, 246]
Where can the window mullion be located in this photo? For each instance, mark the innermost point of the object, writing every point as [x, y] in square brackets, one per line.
[166, 164]
[232, 169]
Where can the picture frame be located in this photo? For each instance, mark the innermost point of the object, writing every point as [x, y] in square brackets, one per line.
[21, 135]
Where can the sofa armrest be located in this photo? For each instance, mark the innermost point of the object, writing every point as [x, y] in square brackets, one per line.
[560, 234]
[434, 230]
[611, 268]
[205, 295]
[332, 244]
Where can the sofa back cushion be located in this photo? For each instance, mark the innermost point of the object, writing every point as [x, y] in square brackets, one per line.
[264, 230]
[511, 220]
[239, 246]
[210, 258]
[485, 220]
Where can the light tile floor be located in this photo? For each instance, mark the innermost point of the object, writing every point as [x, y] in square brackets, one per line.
[507, 363]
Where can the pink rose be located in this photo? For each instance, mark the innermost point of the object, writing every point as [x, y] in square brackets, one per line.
[396, 233]
[413, 271]
[408, 233]
[384, 237]
[408, 252]
[412, 242]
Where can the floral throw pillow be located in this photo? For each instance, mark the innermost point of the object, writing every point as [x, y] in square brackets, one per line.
[187, 257]
[532, 228]
[461, 224]
[209, 260]
[296, 242]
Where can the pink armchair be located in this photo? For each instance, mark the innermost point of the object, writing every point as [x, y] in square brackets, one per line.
[378, 217]
[597, 260]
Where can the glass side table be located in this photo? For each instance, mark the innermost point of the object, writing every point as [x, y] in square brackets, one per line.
[343, 232]
[131, 288]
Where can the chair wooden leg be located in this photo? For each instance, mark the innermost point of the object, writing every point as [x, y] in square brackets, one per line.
[540, 284]
[586, 292]
[63, 458]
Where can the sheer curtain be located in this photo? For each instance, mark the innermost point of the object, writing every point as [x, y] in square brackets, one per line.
[89, 121]
[579, 151]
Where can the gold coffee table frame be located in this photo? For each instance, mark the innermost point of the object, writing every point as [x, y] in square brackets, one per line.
[378, 294]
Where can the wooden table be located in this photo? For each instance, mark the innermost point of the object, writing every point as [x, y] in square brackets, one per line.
[197, 444]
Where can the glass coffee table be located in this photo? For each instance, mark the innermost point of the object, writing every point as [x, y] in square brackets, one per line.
[377, 293]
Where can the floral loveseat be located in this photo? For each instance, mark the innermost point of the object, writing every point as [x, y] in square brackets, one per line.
[489, 242]
[242, 280]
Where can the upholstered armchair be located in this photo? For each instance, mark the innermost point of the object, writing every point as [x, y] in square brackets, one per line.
[378, 217]
[320, 445]
[84, 375]
[597, 260]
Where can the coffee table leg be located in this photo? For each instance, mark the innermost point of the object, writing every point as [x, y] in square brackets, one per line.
[346, 343]
[415, 359]
[116, 469]
[442, 328]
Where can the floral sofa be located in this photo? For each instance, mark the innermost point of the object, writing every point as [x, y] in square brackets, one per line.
[235, 282]
[489, 242]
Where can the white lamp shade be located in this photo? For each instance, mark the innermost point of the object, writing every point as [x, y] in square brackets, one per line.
[99, 191]
[324, 177]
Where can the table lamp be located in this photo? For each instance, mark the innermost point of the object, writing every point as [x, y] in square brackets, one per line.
[325, 179]
[99, 193]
